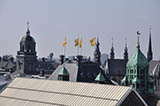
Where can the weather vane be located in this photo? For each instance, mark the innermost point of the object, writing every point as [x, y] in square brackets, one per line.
[138, 33]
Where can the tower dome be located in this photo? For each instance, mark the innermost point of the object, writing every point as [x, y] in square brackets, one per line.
[27, 37]
[27, 44]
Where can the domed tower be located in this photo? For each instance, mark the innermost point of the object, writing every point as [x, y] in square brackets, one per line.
[97, 53]
[26, 56]
[137, 73]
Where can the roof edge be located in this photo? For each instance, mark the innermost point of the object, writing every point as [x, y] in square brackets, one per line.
[125, 96]
[139, 97]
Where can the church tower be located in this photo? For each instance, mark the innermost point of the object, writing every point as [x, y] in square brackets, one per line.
[137, 73]
[26, 56]
[126, 51]
[112, 51]
[97, 53]
[149, 53]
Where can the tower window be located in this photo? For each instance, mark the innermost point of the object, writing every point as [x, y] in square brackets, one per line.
[28, 48]
[30, 67]
[63, 77]
[22, 48]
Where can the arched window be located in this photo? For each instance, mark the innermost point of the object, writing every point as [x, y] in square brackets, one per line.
[28, 48]
[23, 48]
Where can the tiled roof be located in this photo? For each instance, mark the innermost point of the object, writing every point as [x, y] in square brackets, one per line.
[7, 64]
[36, 92]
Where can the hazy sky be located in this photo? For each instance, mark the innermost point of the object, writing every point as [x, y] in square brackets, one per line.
[52, 20]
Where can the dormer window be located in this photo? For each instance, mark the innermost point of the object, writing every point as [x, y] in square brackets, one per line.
[63, 74]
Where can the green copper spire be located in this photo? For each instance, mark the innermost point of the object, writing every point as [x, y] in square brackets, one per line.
[100, 77]
[138, 59]
[137, 73]
[63, 71]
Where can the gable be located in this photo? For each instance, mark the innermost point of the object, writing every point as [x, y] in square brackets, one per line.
[132, 100]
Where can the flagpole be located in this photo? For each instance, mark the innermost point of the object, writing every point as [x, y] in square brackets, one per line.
[64, 50]
[81, 51]
[81, 47]
[64, 45]
[64, 54]
[78, 44]
[78, 49]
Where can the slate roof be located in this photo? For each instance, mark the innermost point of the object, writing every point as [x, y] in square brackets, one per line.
[84, 72]
[7, 65]
[47, 66]
[36, 92]
[117, 67]
[154, 68]
[4, 80]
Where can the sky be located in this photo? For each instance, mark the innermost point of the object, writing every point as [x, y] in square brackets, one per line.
[53, 20]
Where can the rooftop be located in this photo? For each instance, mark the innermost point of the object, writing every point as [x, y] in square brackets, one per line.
[36, 92]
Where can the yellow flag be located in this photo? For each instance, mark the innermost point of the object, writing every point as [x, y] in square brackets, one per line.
[80, 44]
[64, 42]
[76, 42]
[92, 41]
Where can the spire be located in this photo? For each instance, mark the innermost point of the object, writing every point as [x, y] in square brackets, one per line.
[138, 44]
[97, 44]
[149, 53]
[100, 78]
[112, 51]
[126, 50]
[97, 53]
[28, 31]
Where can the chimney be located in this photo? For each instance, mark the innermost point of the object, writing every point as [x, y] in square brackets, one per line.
[62, 59]
[79, 58]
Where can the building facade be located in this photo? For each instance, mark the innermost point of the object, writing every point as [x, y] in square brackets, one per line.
[137, 74]
[26, 56]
